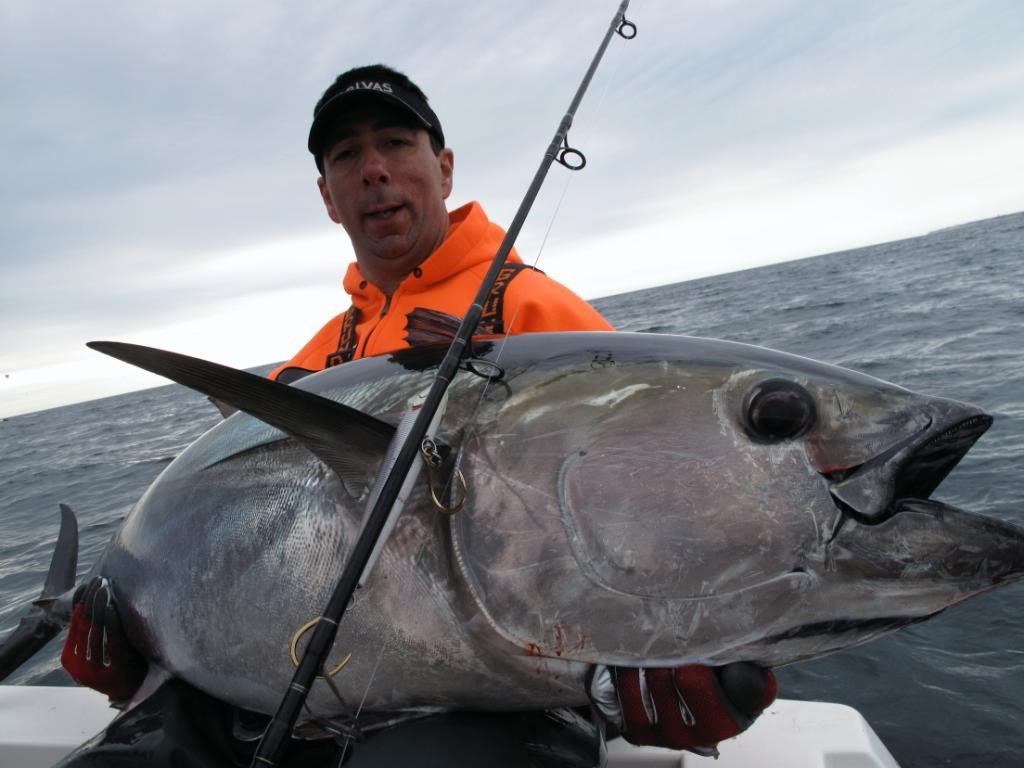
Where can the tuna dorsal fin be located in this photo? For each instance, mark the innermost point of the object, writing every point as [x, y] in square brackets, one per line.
[338, 435]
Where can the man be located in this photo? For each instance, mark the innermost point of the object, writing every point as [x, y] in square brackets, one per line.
[385, 174]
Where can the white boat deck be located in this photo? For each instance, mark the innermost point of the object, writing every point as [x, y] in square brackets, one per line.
[39, 725]
[790, 734]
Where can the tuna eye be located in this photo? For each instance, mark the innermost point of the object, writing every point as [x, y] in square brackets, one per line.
[777, 410]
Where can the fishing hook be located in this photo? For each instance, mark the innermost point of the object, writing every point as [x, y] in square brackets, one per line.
[432, 458]
[295, 648]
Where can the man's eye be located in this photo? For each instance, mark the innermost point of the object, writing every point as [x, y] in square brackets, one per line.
[342, 155]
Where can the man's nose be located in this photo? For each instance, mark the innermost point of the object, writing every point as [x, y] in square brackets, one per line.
[374, 169]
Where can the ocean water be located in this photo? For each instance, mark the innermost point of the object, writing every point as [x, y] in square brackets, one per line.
[941, 314]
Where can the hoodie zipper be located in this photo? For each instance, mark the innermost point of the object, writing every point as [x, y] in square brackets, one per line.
[380, 319]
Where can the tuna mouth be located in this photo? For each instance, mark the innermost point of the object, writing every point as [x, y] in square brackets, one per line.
[926, 557]
[872, 492]
[929, 464]
[866, 629]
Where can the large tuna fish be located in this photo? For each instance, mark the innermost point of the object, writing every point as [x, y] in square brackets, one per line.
[631, 499]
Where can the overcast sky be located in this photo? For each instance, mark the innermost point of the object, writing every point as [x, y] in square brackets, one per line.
[156, 187]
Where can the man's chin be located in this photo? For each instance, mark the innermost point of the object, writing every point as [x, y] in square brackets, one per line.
[399, 255]
[389, 265]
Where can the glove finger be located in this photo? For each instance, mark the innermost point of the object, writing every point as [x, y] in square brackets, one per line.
[604, 697]
[749, 688]
[74, 646]
[714, 717]
[97, 610]
[89, 596]
[112, 619]
[88, 593]
[113, 633]
[94, 642]
[637, 725]
[672, 725]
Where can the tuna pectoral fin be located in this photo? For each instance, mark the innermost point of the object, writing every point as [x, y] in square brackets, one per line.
[342, 437]
[43, 620]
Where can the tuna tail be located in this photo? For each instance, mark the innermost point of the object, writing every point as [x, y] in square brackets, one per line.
[338, 435]
[43, 620]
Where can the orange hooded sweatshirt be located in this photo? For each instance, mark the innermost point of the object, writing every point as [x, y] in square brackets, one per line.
[447, 282]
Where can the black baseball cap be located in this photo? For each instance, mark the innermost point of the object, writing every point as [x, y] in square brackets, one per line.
[377, 81]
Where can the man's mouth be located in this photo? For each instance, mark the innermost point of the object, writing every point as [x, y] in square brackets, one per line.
[382, 213]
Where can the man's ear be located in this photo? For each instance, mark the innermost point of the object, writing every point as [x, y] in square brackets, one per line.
[325, 193]
[447, 160]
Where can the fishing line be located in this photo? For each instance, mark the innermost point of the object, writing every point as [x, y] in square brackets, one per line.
[362, 701]
[609, 81]
[488, 381]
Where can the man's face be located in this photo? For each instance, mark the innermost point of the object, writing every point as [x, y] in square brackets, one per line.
[385, 185]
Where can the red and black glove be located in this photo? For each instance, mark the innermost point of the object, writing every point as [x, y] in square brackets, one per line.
[97, 654]
[692, 707]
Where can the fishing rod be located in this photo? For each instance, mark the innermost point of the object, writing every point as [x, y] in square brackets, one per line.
[275, 738]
